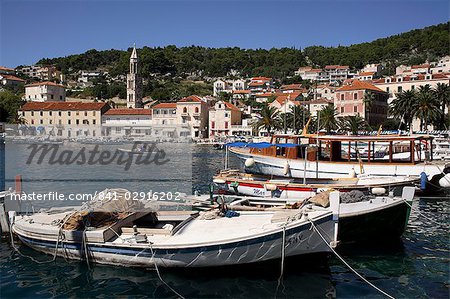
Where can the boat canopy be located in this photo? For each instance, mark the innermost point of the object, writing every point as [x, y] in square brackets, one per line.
[260, 144]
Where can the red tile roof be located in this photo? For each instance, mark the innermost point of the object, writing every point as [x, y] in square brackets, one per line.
[74, 106]
[313, 71]
[295, 86]
[420, 66]
[165, 105]
[45, 83]
[231, 106]
[281, 99]
[265, 94]
[359, 85]
[12, 78]
[192, 98]
[2, 68]
[256, 83]
[366, 74]
[128, 111]
[332, 67]
[261, 79]
[241, 91]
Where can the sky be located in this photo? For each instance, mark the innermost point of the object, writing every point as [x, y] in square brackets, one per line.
[34, 29]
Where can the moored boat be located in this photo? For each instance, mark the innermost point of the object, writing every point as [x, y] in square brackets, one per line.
[232, 181]
[332, 156]
[145, 237]
[361, 217]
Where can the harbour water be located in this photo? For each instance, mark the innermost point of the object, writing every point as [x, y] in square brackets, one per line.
[417, 266]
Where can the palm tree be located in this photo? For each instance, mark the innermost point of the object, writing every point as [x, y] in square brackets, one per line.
[369, 98]
[297, 118]
[426, 107]
[327, 118]
[269, 120]
[442, 94]
[352, 123]
[402, 106]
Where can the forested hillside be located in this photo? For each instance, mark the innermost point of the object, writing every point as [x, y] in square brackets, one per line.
[411, 47]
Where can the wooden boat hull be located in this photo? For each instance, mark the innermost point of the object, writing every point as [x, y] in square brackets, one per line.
[260, 185]
[387, 223]
[299, 239]
[276, 166]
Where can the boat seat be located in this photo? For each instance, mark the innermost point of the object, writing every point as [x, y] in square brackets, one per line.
[147, 231]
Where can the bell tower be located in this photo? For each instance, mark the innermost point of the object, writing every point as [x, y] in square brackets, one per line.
[134, 82]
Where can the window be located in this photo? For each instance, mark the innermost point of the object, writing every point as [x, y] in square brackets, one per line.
[41, 113]
[93, 121]
[68, 113]
[68, 121]
[399, 89]
[413, 87]
[50, 121]
[355, 96]
[226, 114]
[85, 113]
[85, 122]
[51, 96]
[355, 108]
[93, 113]
[41, 121]
[184, 110]
[213, 124]
[32, 113]
[196, 110]
[387, 89]
[50, 113]
[59, 113]
[77, 121]
[342, 97]
[61, 97]
[32, 121]
[226, 125]
[118, 130]
[342, 109]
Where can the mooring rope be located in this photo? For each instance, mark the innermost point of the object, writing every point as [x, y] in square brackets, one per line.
[283, 253]
[348, 266]
[159, 274]
[421, 214]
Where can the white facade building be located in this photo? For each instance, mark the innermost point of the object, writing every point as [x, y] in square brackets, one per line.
[127, 122]
[44, 92]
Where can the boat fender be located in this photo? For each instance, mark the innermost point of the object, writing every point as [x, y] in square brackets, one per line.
[270, 187]
[423, 180]
[444, 182]
[249, 162]
[286, 168]
[352, 173]
[219, 181]
[378, 191]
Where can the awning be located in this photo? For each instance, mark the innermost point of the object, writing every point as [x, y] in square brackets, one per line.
[260, 144]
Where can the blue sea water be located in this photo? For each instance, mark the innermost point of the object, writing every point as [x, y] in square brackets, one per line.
[417, 266]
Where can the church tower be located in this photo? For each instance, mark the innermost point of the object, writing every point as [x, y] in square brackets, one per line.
[134, 83]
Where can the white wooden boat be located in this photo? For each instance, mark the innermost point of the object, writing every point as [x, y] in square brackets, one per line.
[368, 218]
[176, 238]
[232, 181]
[319, 156]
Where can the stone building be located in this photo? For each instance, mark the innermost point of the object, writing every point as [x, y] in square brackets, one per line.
[134, 83]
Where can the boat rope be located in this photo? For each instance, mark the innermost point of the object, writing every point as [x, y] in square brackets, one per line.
[84, 244]
[421, 214]
[346, 264]
[159, 274]
[28, 256]
[283, 253]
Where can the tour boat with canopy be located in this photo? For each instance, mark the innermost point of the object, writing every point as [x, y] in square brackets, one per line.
[337, 156]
